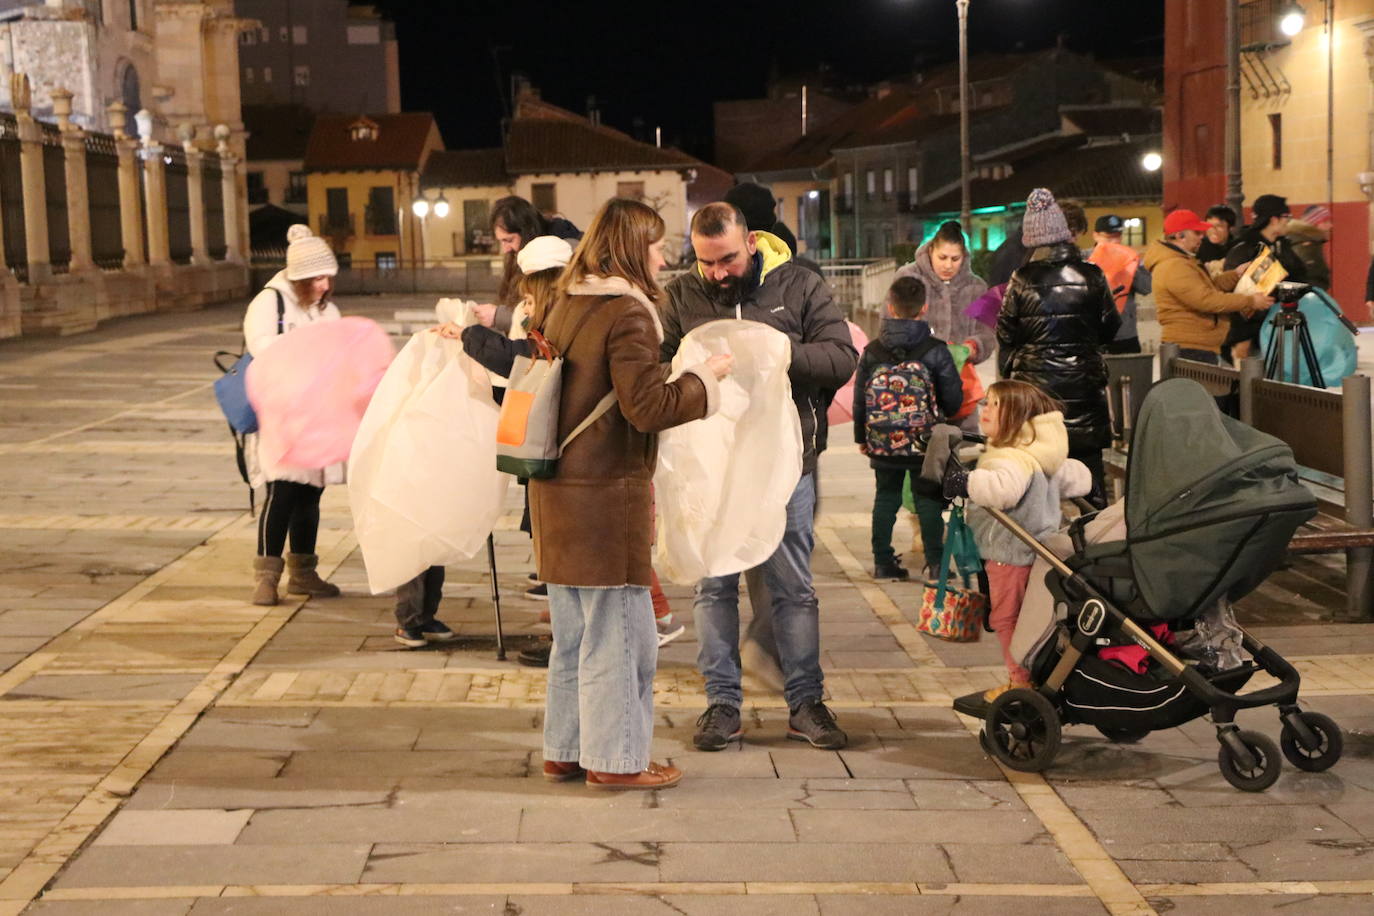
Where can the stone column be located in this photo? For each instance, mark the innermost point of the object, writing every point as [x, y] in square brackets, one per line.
[229, 192]
[195, 194]
[78, 193]
[155, 197]
[130, 202]
[35, 191]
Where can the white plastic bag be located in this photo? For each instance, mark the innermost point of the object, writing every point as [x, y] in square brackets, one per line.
[422, 480]
[723, 483]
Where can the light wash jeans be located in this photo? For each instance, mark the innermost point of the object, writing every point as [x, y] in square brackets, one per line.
[600, 706]
[796, 614]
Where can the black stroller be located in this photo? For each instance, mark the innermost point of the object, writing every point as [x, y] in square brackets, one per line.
[1210, 507]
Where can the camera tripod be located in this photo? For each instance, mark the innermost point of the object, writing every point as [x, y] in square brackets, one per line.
[1291, 338]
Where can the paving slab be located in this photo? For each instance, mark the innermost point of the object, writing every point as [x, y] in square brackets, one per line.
[512, 863]
[192, 827]
[794, 862]
[197, 866]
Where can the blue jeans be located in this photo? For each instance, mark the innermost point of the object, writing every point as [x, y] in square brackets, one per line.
[796, 614]
[600, 706]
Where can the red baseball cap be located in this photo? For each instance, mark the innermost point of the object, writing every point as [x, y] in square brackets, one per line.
[1182, 220]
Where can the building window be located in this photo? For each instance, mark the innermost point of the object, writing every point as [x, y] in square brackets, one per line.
[257, 188]
[1133, 233]
[249, 37]
[364, 34]
[283, 34]
[912, 185]
[302, 75]
[381, 211]
[363, 129]
[633, 190]
[889, 182]
[849, 187]
[248, 75]
[265, 34]
[544, 197]
[299, 35]
[133, 15]
[336, 217]
[267, 74]
[296, 188]
[386, 260]
[871, 183]
[1276, 135]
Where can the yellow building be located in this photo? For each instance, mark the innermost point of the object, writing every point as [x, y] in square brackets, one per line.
[362, 176]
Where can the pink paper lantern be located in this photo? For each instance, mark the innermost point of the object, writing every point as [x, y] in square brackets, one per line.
[842, 408]
[311, 388]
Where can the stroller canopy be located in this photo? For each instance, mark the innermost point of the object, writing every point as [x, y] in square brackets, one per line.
[1211, 503]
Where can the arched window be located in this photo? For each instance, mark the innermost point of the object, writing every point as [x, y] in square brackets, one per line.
[131, 95]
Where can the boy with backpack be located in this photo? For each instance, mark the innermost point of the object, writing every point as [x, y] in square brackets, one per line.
[905, 384]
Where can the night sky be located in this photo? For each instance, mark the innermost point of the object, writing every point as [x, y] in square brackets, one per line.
[665, 63]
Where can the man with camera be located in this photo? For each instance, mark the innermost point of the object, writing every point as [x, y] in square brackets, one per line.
[1190, 304]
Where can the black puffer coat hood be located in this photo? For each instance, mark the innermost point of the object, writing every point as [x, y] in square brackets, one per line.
[1057, 316]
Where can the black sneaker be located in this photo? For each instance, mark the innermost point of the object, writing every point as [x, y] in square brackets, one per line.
[435, 631]
[815, 723]
[538, 592]
[538, 657]
[534, 577]
[893, 570]
[717, 727]
[410, 637]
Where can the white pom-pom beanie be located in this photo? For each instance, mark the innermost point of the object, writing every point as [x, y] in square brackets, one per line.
[308, 255]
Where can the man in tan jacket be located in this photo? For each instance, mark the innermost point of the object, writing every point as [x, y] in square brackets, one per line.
[1188, 302]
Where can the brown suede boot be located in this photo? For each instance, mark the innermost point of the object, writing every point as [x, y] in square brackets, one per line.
[267, 570]
[303, 580]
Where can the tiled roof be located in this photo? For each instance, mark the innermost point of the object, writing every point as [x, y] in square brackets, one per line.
[277, 131]
[459, 167]
[1071, 169]
[815, 149]
[547, 144]
[400, 143]
[1114, 120]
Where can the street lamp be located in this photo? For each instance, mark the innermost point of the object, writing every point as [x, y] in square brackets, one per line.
[965, 165]
[441, 207]
[1151, 161]
[420, 207]
[1292, 20]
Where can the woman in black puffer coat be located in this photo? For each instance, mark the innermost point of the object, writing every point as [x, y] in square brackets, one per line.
[1057, 316]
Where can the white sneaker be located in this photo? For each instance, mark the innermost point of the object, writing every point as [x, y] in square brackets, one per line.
[668, 631]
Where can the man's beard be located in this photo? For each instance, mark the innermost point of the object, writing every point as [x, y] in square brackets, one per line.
[728, 292]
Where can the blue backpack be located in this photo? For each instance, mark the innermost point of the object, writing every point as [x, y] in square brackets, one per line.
[900, 404]
[231, 388]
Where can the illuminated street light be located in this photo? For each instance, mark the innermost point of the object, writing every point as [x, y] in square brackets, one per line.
[1292, 20]
[1151, 162]
[420, 207]
[441, 207]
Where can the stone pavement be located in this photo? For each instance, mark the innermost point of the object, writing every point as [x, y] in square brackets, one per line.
[173, 749]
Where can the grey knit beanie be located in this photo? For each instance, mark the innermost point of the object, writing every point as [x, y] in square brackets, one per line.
[1044, 222]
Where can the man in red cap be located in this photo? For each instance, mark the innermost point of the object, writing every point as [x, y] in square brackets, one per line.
[1190, 305]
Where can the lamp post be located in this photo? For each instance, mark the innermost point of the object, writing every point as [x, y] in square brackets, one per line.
[420, 207]
[1235, 196]
[965, 163]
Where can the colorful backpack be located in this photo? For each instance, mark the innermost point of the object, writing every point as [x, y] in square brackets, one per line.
[900, 404]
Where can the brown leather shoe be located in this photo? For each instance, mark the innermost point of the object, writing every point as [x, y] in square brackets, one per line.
[654, 776]
[562, 771]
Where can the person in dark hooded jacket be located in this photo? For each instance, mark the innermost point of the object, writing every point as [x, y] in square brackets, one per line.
[904, 337]
[1057, 317]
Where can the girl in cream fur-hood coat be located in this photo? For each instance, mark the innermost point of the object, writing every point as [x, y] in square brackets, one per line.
[1027, 480]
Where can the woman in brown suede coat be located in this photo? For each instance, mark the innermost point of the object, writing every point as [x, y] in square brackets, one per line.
[593, 521]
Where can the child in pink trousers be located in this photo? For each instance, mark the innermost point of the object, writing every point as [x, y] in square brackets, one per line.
[1026, 471]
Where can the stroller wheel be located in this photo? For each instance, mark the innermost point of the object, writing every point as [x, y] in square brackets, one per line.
[1330, 743]
[1122, 735]
[1022, 730]
[1265, 771]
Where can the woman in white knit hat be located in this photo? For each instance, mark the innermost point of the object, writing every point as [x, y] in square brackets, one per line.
[295, 297]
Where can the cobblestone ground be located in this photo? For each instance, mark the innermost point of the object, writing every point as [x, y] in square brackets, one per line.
[172, 749]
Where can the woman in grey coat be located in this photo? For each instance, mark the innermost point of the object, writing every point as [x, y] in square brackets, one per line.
[942, 264]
